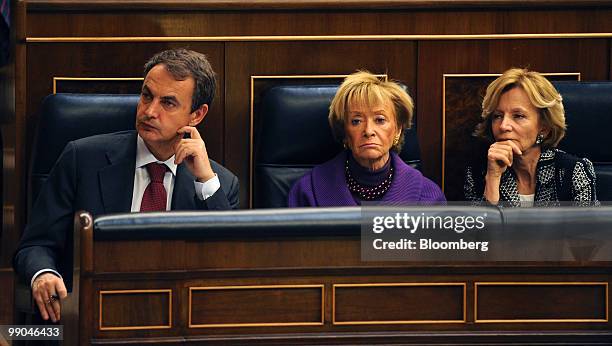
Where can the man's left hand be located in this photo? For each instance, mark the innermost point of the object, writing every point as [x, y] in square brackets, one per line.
[192, 151]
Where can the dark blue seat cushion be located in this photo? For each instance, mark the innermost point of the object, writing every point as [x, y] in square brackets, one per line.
[67, 117]
[588, 111]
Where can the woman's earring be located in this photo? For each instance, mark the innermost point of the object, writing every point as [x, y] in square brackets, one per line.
[539, 138]
[396, 139]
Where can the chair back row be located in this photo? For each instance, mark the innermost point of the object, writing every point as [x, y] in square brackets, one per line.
[292, 133]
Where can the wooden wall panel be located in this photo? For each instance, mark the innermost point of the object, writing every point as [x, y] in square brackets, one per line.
[609, 58]
[246, 59]
[356, 304]
[10, 177]
[135, 309]
[102, 85]
[381, 294]
[160, 22]
[495, 56]
[542, 302]
[232, 253]
[6, 307]
[256, 306]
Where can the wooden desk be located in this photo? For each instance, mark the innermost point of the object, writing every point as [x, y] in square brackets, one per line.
[316, 290]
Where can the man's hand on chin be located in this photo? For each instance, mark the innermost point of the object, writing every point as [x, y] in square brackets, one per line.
[192, 151]
[48, 290]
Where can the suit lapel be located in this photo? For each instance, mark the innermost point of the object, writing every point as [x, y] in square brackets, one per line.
[183, 196]
[117, 178]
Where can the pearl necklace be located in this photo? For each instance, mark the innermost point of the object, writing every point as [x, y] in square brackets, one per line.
[367, 193]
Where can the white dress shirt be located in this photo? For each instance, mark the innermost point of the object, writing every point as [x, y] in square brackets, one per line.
[142, 179]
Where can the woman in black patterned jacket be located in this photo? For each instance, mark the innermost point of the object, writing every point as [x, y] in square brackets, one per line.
[523, 120]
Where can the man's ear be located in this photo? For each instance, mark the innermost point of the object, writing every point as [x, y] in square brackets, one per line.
[198, 115]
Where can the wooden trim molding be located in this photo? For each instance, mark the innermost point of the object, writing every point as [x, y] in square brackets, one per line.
[317, 38]
[242, 5]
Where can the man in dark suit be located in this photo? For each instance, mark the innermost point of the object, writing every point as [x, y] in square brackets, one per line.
[163, 165]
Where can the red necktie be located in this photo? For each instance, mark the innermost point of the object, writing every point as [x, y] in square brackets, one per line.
[154, 197]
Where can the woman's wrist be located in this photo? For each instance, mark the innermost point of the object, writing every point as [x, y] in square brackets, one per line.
[491, 190]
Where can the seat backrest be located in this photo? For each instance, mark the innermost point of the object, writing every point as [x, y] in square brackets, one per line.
[292, 135]
[588, 112]
[67, 117]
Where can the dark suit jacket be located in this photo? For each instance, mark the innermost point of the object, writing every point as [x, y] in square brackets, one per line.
[96, 174]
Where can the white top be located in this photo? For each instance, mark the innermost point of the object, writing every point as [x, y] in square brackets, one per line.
[527, 200]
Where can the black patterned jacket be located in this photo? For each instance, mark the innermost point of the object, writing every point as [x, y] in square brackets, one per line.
[559, 177]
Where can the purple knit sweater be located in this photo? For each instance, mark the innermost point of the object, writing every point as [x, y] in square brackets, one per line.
[325, 186]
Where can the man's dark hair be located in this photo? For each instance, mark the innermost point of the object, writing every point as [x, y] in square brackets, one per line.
[184, 63]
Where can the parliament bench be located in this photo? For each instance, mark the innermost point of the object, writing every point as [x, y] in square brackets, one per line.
[297, 276]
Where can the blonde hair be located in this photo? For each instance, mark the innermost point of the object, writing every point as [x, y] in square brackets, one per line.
[542, 95]
[362, 87]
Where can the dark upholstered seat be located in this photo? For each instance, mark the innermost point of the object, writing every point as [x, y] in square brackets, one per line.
[588, 111]
[292, 135]
[64, 118]
[67, 117]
